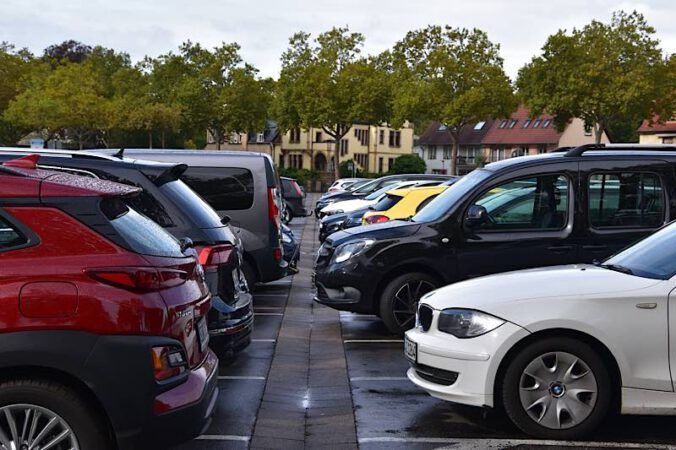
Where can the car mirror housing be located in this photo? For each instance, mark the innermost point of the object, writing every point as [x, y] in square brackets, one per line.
[475, 216]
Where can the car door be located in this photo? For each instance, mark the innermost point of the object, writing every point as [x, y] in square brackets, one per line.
[622, 201]
[531, 223]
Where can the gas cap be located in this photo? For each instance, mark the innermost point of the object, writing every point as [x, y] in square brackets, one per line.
[48, 299]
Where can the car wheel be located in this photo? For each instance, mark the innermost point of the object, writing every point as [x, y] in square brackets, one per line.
[288, 214]
[557, 388]
[36, 413]
[399, 301]
[249, 275]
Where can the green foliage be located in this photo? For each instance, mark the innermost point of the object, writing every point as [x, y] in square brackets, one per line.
[408, 164]
[300, 175]
[605, 74]
[452, 75]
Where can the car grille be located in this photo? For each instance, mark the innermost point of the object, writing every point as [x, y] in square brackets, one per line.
[434, 375]
[425, 314]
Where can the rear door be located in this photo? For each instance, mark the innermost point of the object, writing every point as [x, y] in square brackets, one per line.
[622, 201]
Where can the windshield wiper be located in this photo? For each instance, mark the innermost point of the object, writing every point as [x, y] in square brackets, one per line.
[617, 268]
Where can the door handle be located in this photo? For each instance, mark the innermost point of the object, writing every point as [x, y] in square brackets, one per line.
[560, 248]
[646, 305]
[594, 247]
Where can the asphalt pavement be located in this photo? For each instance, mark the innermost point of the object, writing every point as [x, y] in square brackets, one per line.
[316, 378]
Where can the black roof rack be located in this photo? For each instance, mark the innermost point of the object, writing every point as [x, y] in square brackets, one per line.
[580, 150]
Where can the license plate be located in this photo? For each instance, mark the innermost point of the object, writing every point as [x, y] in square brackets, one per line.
[203, 334]
[410, 350]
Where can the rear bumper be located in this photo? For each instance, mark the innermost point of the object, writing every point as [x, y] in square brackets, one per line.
[268, 268]
[230, 326]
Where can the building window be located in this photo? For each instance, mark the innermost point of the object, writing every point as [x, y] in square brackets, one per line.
[296, 161]
[439, 171]
[536, 123]
[395, 138]
[362, 159]
[294, 135]
[546, 123]
[234, 138]
[587, 129]
[542, 148]
[390, 163]
[467, 154]
[479, 125]
[512, 123]
[442, 127]
[526, 123]
[281, 160]
[521, 151]
[497, 154]
[503, 124]
[447, 152]
[362, 135]
[260, 138]
[381, 138]
[432, 152]
[343, 147]
[380, 163]
[667, 140]
[318, 136]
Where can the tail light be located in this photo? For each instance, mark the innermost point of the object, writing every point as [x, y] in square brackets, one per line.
[141, 279]
[333, 189]
[273, 209]
[277, 254]
[168, 361]
[378, 218]
[297, 188]
[212, 256]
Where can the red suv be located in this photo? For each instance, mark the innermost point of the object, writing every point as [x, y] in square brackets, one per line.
[104, 339]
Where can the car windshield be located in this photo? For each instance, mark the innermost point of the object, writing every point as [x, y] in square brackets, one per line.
[382, 191]
[366, 187]
[652, 257]
[446, 200]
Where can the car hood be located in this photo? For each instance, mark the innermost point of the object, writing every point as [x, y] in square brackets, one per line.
[395, 229]
[348, 205]
[502, 294]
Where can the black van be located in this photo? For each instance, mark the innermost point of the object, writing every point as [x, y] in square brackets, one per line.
[174, 206]
[573, 205]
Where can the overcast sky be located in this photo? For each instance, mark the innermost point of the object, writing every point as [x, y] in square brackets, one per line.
[262, 27]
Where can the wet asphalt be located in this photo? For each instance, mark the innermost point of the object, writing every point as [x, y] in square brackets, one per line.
[357, 397]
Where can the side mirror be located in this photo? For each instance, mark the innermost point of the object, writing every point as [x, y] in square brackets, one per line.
[225, 220]
[186, 243]
[476, 215]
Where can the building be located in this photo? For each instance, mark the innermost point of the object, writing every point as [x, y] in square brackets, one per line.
[495, 140]
[372, 148]
[657, 133]
[262, 141]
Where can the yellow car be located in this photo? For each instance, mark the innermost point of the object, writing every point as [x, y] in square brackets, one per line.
[402, 204]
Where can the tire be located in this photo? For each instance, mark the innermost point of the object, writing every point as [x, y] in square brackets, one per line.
[52, 399]
[398, 304]
[288, 215]
[249, 275]
[589, 377]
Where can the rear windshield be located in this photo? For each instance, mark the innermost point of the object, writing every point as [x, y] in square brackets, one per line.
[387, 202]
[141, 234]
[224, 188]
[191, 204]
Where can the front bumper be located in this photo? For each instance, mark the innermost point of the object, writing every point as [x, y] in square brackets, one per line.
[345, 289]
[474, 362]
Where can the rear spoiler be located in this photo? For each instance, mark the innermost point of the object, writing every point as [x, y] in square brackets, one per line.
[169, 174]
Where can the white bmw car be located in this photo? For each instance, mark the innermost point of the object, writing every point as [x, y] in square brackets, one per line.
[557, 348]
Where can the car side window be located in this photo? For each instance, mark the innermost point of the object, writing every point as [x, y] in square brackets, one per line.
[224, 188]
[425, 203]
[10, 236]
[625, 200]
[534, 203]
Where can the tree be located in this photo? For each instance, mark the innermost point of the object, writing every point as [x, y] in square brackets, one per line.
[67, 51]
[604, 73]
[325, 84]
[451, 75]
[408, 164]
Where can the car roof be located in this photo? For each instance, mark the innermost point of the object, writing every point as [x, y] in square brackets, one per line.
[405, 191]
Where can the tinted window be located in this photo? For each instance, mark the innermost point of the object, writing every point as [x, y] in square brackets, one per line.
[425, 202]
[538, 203]
[652, 257]
[9, 236]
[191, 204]
[141, 234]
[386, 203]
[625, 200]
[224, 188]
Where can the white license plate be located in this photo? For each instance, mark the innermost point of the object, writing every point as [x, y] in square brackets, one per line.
[203, 334]
[410, 350]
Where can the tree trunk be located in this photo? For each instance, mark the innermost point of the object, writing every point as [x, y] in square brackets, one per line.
[150, 139]
[336, 166]
[453, 166]
[162, 138]
[598, 133]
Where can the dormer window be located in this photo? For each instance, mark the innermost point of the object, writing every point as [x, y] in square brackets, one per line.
[503, 124]
[546, 123]
[512, 124]
[536, 123]
[526, 123]
[442, 127]
[479, 125]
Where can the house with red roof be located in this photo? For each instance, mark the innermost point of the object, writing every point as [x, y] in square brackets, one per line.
[653, 132]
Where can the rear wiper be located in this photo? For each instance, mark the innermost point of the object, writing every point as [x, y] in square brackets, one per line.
[617, 268]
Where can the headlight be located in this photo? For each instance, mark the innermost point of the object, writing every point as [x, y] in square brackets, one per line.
[335, 211]
[347, 251]
[286, 238]
[466, 323]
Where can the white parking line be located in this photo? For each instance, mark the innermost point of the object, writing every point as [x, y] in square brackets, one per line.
[223, 437]
[263, 340]
[270, 314]
[373, 341]
[378, 379]
[494, 444]
[227, 377]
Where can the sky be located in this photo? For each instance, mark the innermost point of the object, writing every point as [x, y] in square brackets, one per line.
[263, 27]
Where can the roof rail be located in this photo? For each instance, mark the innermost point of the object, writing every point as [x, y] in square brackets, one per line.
[47, 152]
[578, 151]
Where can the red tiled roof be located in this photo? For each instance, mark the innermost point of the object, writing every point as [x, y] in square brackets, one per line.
[648, 128]
[520, 135]
[469, 136]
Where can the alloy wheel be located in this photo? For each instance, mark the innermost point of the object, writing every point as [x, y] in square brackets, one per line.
[32, 427]
[406, 301]
[558, 390]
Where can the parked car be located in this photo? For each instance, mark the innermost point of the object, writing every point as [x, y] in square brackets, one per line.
[339, 221]
[169, 202]
[370, 187]
[558, 349]
[533, 211]
[243, 186]
[342, 184]
[291, 249]
[104, 335]
[403, 203]
[294, 200]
